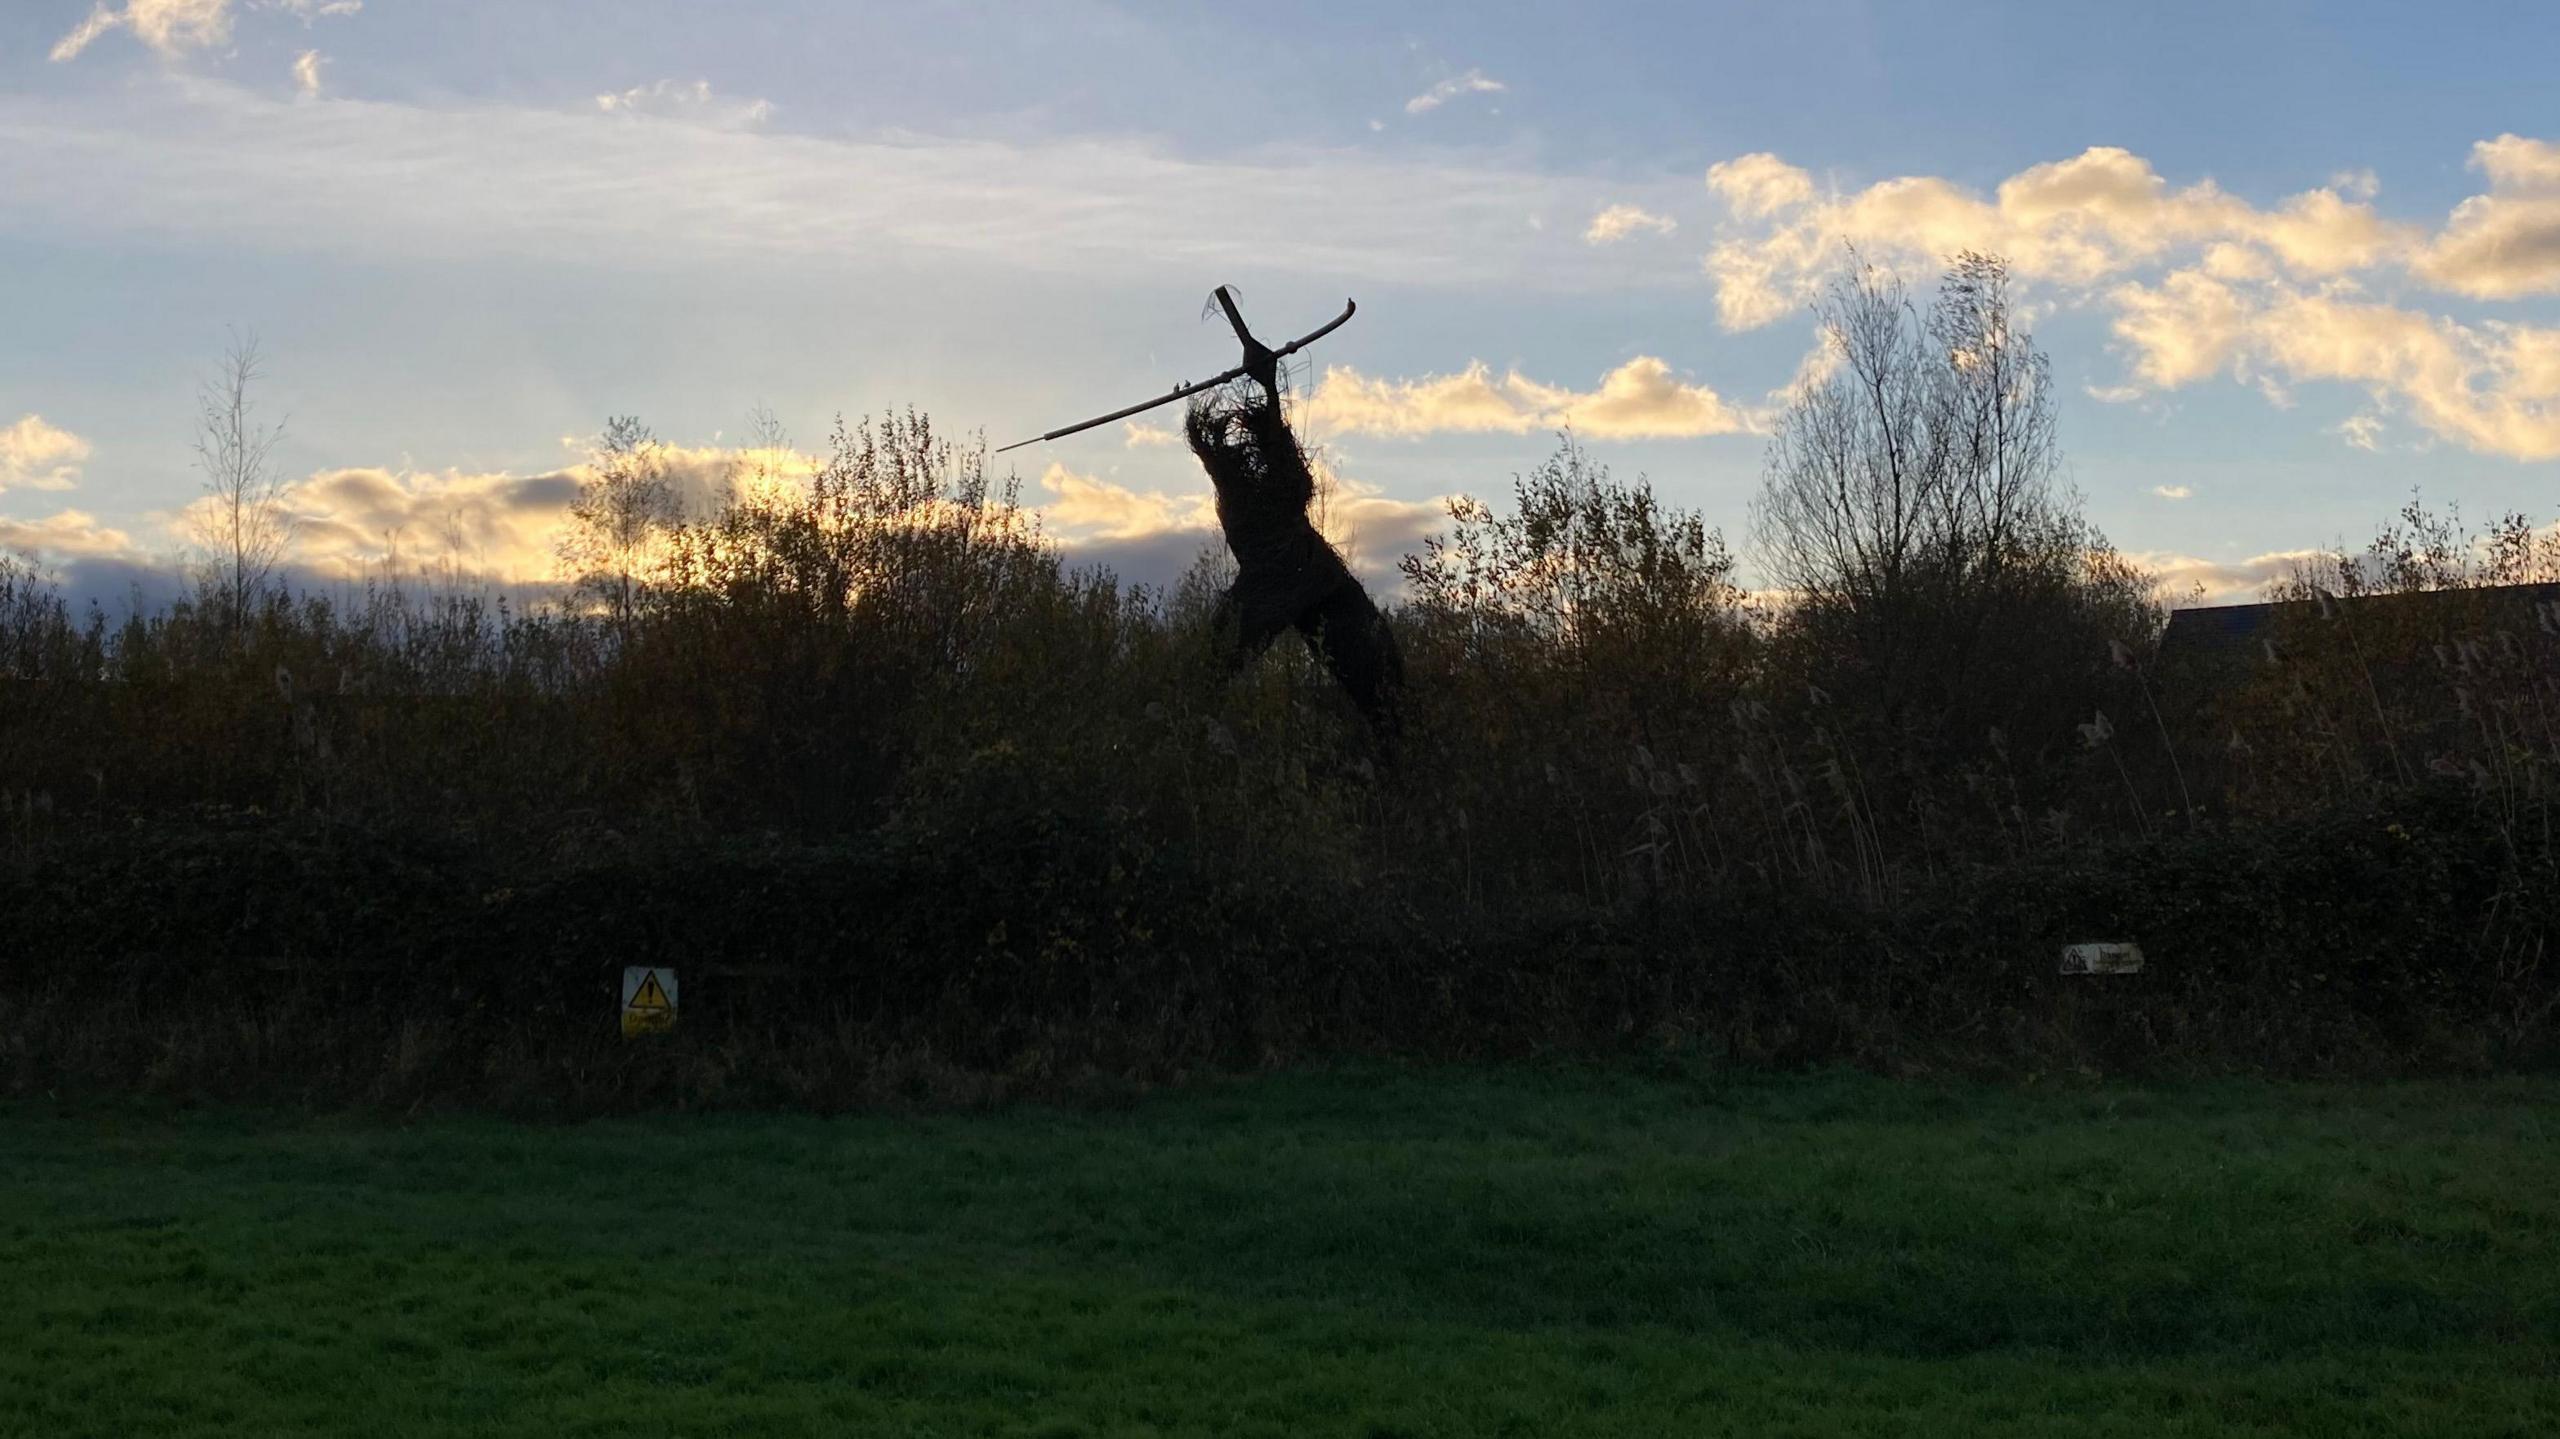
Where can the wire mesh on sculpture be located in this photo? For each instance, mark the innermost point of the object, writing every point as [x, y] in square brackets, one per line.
[1287, 575]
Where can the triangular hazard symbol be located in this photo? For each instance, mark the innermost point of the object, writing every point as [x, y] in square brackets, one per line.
[650, 995]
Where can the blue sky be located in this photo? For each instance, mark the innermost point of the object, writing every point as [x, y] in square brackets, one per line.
[2290, 260]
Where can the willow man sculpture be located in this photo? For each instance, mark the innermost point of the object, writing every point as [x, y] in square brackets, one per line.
[1287, 575]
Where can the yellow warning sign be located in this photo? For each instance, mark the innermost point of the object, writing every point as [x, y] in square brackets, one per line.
[648, 1000]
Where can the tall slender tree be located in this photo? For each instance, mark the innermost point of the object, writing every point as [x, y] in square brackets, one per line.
[241, 528]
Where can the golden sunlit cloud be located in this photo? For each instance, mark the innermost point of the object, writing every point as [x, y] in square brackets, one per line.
[2075, 222]
[350, 523]
[2506, 243]
[69, 534]
[1760, 185]
[2182, 331]
[1641, 399]
[35, 455]
[360, 523]
[1082, 508]
[2203, 283]
[2494, 388]
[1619, 221]
[353, 522]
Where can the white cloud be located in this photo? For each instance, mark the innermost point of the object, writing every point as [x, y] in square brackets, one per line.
[1619, 221]
[306, 71]
[2173, 492]
[2114, 394]
[1141, 435]
[693, 103]
[35, 455]
[1474, 82]
[2362, 431]
[1641, 399]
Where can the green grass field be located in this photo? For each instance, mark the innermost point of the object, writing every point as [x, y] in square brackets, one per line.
[1369, 1253]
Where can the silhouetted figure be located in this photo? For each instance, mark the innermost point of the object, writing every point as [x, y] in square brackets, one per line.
[1287, 576]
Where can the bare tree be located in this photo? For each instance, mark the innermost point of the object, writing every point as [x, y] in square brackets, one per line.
[627, 500]
[241, 528]
[1917, 491]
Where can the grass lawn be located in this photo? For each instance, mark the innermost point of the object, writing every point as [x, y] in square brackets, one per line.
[1375, 1252]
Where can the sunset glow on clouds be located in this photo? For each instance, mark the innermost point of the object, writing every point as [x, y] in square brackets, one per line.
[66, 535]
[2201, 284]
[1641, 399]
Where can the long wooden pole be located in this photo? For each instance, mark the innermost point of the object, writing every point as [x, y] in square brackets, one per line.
[1261, 363]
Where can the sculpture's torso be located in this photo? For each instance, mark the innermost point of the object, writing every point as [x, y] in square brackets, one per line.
[1283, 565]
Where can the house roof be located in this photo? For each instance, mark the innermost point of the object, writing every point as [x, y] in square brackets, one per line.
[2215, 629]
[2210, 628]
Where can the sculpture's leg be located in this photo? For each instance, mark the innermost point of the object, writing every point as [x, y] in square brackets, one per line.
[1346, 631]
[1242, 636]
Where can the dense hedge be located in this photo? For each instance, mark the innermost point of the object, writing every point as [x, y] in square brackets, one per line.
[257, 957]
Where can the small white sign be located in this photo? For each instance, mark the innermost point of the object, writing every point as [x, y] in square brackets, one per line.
[648, 1000]
[2108, 958]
